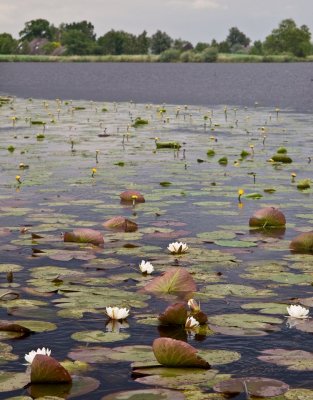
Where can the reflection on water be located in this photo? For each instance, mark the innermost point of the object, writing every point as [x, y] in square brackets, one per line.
[232, 265]
[287, 85]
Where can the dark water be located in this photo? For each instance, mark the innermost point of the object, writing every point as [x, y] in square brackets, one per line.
[284, 85]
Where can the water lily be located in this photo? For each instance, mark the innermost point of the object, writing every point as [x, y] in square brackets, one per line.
[240, 193]
[146, 267]
[18, 179]
[193, 305]
[117, 313]
[177, 247]
[191, 322]
[31, 355]
[297, 311]
[93, 172]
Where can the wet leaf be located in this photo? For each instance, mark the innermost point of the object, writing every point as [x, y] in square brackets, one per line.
[45, 369]
[254, 386]
[173, 281]
[84, 235]
[175, 353]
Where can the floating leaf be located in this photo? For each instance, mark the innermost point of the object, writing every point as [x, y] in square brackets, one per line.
[173, 281]
[302, 242]
[84, 235]
[175, 314]
[132, 196]
[13, 380]
[176, 353]
[267, 217]
[45, 369]
[254, 386]
[99, 336]
[297, 360]
[148, 394]
[121, 223]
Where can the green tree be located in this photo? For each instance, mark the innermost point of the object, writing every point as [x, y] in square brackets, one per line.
[236, 37]
[117, 42]
[288, 38]
[77, 43]
[160, 42]
[223, 47]
[257, 48]
[200, 46]
[37, 28]
[8, 45]
[182, 45]
[143, 43]
[84, 27]
[78, 38]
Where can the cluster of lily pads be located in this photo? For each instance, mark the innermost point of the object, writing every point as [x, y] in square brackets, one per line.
[90, 258]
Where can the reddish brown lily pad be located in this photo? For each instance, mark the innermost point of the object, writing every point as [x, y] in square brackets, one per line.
[175, 314]
[254, 386]
[267, 217]
[130, 196]
[120, 223]
[176, 353]
[302, 242]
[45, 369]
[84, 235]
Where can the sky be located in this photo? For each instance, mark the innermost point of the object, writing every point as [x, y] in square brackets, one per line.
[193, 20]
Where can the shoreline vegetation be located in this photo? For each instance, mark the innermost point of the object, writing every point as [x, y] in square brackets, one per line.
[153, 58]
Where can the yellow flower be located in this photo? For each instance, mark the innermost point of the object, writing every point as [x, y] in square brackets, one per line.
[18, 178]
[241, 192]
[93, 172]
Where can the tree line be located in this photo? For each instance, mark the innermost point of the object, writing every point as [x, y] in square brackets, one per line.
[39, 36]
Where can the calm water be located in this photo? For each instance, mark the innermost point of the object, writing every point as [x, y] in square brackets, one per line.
[286, 85]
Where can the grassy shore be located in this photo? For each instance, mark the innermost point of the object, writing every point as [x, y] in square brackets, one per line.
[222, 58]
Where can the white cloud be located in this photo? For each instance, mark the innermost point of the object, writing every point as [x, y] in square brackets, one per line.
[197, 4]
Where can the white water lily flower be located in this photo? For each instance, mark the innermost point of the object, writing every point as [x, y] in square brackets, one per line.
[191, 322]
[177, 247]
[146, 267]
[193, 305]
[296, 311]
[31, 355]
[117, 313]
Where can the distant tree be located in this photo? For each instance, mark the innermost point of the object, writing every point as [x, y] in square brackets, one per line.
[78, 37]
[142, 43]
[77, 43]
[200, 46]
[223, 47]
[288, 38]
[8, 45]
[236, 37]
[37, 28]
[182, 45]
[84, 27]
[160, 42]
[257, 48]
[117, 42]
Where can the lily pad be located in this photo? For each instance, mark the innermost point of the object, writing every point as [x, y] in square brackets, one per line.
[173, 281]
[148, 394]
[296, 360]
[99, 336]
[84, 235]
[254, 386]
[175, 353]
[45, 369]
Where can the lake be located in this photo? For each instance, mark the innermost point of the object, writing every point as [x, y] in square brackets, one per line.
[286, 85]
[64, 164]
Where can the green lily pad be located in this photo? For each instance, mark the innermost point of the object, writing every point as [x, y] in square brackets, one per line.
[148, 394]
[99, 336]
[296, 360]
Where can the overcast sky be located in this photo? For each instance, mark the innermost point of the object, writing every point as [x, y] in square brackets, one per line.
[193, 20]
